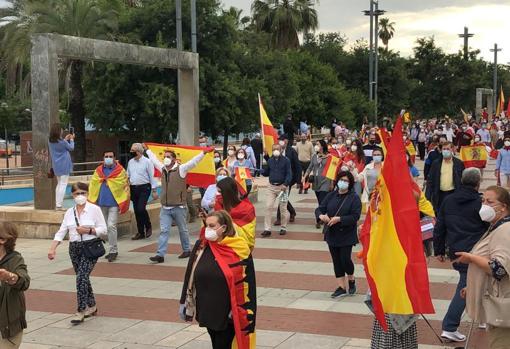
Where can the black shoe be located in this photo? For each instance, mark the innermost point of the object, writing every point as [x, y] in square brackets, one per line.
[300, 191]
[352, 287]
[137, 237]
[184, 255]
[157, 259]
[277, 222]
[306, 191]
[148, 233]
[112, 257]
[318, 225]
[266, 233]
[106, 256]
[283, 231]
[292, 218]
[339, 292]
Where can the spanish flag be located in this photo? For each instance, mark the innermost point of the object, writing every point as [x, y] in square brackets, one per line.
[241, 175]
[332, 167]
[411, 149]
[393, 254]
[385, 138]
[474, 156]
[118, 183]
[501, 103]
[269, 134]
[202, 175]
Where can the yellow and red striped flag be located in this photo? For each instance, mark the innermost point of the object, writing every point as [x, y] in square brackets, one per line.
[393, 253]
[385, 138]
[241, 175]
[269, 134]
[332, 167]
[202, 175]
[474, 155]
[501, 103]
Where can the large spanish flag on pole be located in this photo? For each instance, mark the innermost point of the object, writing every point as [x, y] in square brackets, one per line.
[501, 103]
[474, 156]
[202, 175]
[393, 253]
[269, 134]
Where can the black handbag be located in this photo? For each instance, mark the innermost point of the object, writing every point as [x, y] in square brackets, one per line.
[326, 227]
[91, 249]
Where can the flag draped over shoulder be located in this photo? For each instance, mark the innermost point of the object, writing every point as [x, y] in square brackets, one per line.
[474, 156]
[117, 182]
[241, 175]
[269, 134]
[234, 258]
[244, 218]
[393, 253]
[332, 167]
[202, 175]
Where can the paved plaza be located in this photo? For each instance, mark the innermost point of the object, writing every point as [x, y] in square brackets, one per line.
[138, 301]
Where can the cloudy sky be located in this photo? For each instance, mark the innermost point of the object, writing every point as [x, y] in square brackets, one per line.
[487, 19]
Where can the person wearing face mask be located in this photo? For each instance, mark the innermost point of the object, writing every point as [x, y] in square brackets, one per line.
[140, 171]
[256, 144]
[355, 161]
[209, 199]
[202, 141]
[305, 151]
[459, 227]
[231, 158]
[217, 160]
[279, 172]
[219, 285]
[173, 199]
[413, 171]
[370, 174]
[320, 185]
[503, 163]
[15, 281]
[242, 161]
[484, 134]
[421, 142]
[61, 162]
[433, 153]
[464, 136]
[489, 267]
[109, 189]
[444, 176]
[369, 148]
[250, 154]
[289, 128]
[340, 211]
[84, 222]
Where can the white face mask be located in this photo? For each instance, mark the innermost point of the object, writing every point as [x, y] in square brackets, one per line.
[487, 213]
[507, 143]
[231, 152]
[217, 160]
[203, 144]
[317, 148]
[276, 153]
[281, 143]
[240, 156]
[335, 146]
[80, 200]
[354, 148]
[167, 161]
[211, 234]
[348, 142]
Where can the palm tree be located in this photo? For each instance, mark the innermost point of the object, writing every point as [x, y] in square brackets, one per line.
[83, 18]
[284, 20]
[386, 31]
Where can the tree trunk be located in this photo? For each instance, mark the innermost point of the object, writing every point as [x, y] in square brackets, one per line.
[225, 142]
[77, 110]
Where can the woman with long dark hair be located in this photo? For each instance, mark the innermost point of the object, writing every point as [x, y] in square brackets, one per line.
[62, 164]
[354, 160]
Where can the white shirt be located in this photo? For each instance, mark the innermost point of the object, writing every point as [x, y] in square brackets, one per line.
[141, 172]
[90, 217]
[209, 197]
[449, 135]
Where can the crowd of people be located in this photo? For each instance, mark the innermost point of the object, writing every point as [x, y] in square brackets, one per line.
[471, 231]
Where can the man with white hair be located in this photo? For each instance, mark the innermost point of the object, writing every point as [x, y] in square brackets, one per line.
[140, 171]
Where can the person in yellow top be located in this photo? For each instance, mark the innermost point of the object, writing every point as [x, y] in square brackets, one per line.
[444, 176]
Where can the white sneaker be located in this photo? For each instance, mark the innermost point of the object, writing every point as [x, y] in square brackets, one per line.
[78, 318]
[453, 336]
[482, 326]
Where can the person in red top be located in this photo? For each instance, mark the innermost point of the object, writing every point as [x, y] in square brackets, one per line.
[464, 136]
[355, 160]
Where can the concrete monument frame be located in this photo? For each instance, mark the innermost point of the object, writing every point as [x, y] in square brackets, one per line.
[480, 94]
[47, 48]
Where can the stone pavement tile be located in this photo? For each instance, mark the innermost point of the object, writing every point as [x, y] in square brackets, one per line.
[279, 292]
[147, 332]
[349, 307]
[274, 301]
[63, 337]
[34, 325]
[307, 341]
[138, 346]
[58, 316]
[311, 304]
[271, 339]
[34, 346]
[98, 323]
[358, 343]
[196, 328]
[179, 339]
[197, 344]
[34, 315]
[104, 345]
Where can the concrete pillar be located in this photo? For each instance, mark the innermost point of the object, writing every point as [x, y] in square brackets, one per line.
[189, 119]
[45, 96]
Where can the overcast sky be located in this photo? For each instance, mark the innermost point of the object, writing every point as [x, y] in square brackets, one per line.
[489, 20]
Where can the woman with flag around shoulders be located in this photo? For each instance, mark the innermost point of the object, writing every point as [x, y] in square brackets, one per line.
[243, 162]
[219, 286]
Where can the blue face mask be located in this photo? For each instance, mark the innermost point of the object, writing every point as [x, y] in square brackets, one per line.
[447, 154]
[342, 186]
[377, 158]
[220, 177]
[108, 161]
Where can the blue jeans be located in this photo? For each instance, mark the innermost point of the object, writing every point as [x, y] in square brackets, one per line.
[166, 217]
[453, 316]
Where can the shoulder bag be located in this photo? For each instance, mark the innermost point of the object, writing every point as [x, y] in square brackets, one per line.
[497, 309]
[326, 227]
[91, 249]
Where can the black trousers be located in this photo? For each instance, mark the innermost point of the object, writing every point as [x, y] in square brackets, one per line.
[222, 339]
[320, 196]
[342, 261]
[140, 195]
[421, 150]
[290, 208]
[442, 195]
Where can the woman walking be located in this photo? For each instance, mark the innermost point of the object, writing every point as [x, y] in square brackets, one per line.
[219, 285]
[14, 282]
[209, 199]
[321, 185]
[84, 222]
[61, 160]
[503, 164]
[489, 267]
[243, 161]
[340, 211]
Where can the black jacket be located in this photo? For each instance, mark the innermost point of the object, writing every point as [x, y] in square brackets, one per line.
[459, 225]
[289, 128]
[278, 170]
[434, 179]
[292, 155]
[344, 233]
[256, 144]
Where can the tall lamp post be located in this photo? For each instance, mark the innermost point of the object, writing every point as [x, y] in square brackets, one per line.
[4, 107]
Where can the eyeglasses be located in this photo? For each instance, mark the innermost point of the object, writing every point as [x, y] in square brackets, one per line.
[80, 193]
[108, 156]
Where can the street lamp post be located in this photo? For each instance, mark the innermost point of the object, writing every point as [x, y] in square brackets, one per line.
[4, 107]
[178, 24]
[194, 26]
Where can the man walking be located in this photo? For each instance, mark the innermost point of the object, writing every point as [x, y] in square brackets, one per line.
[109, 189]
[173, 199]
[305, 153]
[256, 144]
[289, 128]
[141, 179]
[290, 154]
[444, 176]
[280, 177]
[459, 227]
